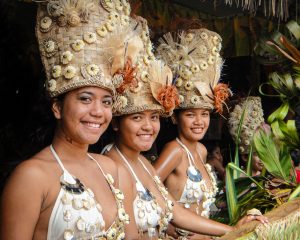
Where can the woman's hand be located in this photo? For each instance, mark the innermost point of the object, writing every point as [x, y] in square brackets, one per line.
[253, 214]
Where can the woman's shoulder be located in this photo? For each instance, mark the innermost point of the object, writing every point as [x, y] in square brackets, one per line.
[172, 146]
[171, 155]
[202, 147]
[115, 168]
[27, 173]
[108, 165]
[174, 150]
[202, 151]
[36, 166]
[104, 160]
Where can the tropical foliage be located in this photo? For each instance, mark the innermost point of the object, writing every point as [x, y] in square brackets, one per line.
[285, 82]
[272, 144]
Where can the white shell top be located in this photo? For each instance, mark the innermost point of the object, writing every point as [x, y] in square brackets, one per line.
[196, 191]
[77, 215]
[147, 212]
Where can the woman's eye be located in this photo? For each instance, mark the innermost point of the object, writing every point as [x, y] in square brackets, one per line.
[85, 99]
[107, 102]
[137, 117]
[155, 117]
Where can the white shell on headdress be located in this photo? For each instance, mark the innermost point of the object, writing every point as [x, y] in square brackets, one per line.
[193, 56]
[250, 122]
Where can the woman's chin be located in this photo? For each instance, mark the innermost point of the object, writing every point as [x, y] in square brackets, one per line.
[92, 141]
[145, 148]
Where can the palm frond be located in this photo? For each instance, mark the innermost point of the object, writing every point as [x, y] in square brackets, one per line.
[231, 195]
[267, 151]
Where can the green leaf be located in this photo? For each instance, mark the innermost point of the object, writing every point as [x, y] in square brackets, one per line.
[286, 132]
[267, 151]
[260, 89]
[286, 161]
[283, 85]
[231, 194]
[289, 83]
[236, 174]
[295, 193]
[280, 113]
[249, 161]
[234, 167]
[292, 131]
[276, 38]
[277, 130]
[294, 28]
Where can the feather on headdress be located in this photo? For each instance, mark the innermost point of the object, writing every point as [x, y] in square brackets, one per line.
[194, 57]
[142, 82]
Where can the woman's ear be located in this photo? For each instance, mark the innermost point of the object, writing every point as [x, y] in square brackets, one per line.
[115, 124]
[56, 108]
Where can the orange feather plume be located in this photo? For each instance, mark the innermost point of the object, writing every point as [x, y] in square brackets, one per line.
[221, 94]
[168, 97]
[129, 76]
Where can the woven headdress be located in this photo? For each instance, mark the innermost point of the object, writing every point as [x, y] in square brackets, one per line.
[71, 34]
[194, 57]
[141, 82]
[252, 119]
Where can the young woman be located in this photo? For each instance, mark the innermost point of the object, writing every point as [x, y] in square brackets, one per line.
[196, 64]
[63, 192]
[140, 101]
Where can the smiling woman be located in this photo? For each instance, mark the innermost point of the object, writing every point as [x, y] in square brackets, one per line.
[182, 164]
[64, 192]
[144, 128]
[87, 113]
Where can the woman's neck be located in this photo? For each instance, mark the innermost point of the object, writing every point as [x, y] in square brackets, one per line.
[191, 145]
[130, 154]
[69, 149]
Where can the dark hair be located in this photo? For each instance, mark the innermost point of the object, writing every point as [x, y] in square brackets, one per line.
[212, 145]
[295, 154]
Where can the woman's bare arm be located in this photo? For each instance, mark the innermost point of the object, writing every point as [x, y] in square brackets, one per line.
[21, 202]
[168, 160]
[190, 221]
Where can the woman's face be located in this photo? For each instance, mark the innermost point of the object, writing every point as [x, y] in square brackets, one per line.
[216, 153]
[84, 114]
[138, 131]
[257, 164]
[193, 123]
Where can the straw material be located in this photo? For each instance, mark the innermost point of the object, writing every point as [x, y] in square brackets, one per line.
[71, 34]
[142, 82]
[194, 57]
[284, 224]
[253, 118]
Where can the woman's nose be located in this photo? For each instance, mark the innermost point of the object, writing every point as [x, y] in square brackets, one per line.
[147, 124]
[199, 120]
[97, 109]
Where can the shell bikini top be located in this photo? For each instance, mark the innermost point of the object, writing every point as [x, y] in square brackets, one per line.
[148, 214]
[76, 213]
[196, 189]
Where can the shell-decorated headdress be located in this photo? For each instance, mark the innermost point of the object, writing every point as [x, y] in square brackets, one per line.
[141, 81]
[71, 34]
[252, 119]
[194, 57]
